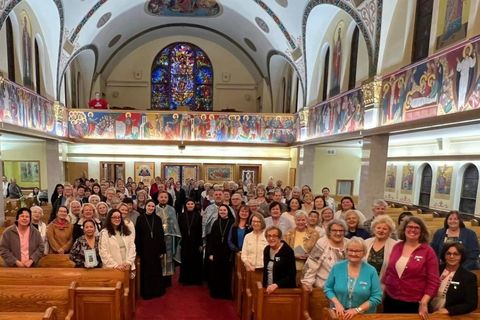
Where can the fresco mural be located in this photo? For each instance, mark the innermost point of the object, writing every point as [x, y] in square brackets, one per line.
[445, 84]
[337, 59]
[22, 107]
[339, 115]
[391, 178]
[27, 59]
[407, 179]
[182, 126]
[452, 22]
[443, 182]
[189, 8]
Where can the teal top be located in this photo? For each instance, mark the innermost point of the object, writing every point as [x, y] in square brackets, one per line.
[353, 292]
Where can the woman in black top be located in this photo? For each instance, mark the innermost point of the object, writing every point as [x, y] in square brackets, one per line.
[190, 223]
[278, 262]
[219, 255]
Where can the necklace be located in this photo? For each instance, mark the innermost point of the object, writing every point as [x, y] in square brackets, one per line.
[150, 227]
[190, 223]
[222, 232]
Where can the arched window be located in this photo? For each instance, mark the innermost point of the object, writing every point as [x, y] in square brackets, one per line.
[352, 72]
[10, 51]
[421, 34]
[38, 75]
[469, 190]
[425, 186]
[326, 65]
[182, 76]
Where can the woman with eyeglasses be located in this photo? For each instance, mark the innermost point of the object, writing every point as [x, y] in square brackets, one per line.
[353, 285]
[454, 230]
[254, 243]
[411, 279]
[117, 244]
[458, 292]
[278, 262]
[327, 251]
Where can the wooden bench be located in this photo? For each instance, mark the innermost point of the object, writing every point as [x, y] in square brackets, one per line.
[329, 314]
[49, 314]
[56, 261]
[35, 298]
[100, 303]
[238, 283]
[250, 293]
[281, 304]
[314, 302]
[106, 278]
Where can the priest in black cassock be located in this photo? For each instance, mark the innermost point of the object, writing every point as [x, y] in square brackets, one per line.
[150, 243]
[219, 255]
[190, 223]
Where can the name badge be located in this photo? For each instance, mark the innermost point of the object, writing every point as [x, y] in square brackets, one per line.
[418, 258]
[455, 284]
[277, 259]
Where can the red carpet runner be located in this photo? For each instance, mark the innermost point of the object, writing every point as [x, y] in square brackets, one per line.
[186, 303]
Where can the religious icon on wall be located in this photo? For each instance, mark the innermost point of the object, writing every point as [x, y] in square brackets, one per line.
[26, 50]
[391, 178]
[144, 172]
[189, 8]
[443, 182]
[407, 179]
[337, 59]
[452, 21]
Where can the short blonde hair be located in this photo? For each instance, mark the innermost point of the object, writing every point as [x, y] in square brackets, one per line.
[383, 219]
[88, 204]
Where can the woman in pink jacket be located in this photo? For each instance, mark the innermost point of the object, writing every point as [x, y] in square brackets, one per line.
[411, 278]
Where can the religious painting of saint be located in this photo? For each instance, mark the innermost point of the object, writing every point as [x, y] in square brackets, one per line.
[443, 182]
[337, 59]
[27, 59]
[407, 179]
[189, 8]
[391, 178]
[452, 21]
[144, 172]
[465, 75]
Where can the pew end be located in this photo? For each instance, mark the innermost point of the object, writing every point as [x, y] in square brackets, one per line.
[281, 304]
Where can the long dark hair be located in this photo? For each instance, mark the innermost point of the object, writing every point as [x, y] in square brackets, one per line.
[55, 193]
[347, 198]
[237, 216]
[124, 230]
[96, 184]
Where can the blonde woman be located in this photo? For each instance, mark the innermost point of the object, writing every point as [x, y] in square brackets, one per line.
[37, 215]
[301, 239]
[379, 247]
[102, 210]
[254, 243]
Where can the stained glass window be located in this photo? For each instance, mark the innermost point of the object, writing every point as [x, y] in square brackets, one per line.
[182, 75]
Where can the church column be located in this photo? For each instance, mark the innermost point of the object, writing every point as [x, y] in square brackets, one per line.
[55, 170]
[372, 171]
[306, 166]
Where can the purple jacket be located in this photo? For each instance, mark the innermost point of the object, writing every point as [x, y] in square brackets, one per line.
[419, 278]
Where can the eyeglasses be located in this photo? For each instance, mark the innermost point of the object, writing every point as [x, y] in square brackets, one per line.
[452, 254]
[354, 251]
[337, 231]
[413, 227]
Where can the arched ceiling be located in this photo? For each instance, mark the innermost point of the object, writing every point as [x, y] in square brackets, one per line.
[251, 29]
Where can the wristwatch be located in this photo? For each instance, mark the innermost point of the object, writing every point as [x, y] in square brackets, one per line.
[358, 309]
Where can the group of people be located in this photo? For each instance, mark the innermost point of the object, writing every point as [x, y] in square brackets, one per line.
[292, 236]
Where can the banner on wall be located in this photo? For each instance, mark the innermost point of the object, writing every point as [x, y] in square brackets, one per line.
[407, 179]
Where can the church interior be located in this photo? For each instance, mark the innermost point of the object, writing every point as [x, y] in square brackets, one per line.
[373, 99]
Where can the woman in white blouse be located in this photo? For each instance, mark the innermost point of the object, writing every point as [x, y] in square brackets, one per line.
[254, 243]
[37, 214]
[117, 243]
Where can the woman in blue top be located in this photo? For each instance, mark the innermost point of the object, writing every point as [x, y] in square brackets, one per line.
[353, 285]
[454, 230]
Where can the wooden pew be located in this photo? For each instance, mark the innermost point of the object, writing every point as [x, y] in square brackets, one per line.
[329, 314]
[56, 261]
[99, 303]
[49, 314]
[281, 304]
[238, 283]
[314, 302]
[250, 293]
[35, 298]
[84, 278]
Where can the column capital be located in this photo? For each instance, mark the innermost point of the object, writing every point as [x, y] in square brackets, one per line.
[372, 91]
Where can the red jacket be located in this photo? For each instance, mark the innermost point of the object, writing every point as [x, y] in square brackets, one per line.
[98, 104]
[419, 278]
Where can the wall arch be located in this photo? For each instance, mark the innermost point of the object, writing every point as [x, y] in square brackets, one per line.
[457, 187]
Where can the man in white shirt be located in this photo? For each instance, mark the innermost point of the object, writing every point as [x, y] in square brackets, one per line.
[5, 186]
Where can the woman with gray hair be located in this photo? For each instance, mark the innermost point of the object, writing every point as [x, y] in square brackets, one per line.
[353, 285]
[380, 245]
[301, 239]
[327, 251]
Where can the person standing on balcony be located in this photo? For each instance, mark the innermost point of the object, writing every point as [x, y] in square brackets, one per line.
[98, 102]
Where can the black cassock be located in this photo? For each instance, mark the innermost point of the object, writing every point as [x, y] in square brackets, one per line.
[190, 223]
[220, 269]
[150, 244]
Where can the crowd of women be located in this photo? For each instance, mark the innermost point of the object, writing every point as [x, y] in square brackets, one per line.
[294, 237]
